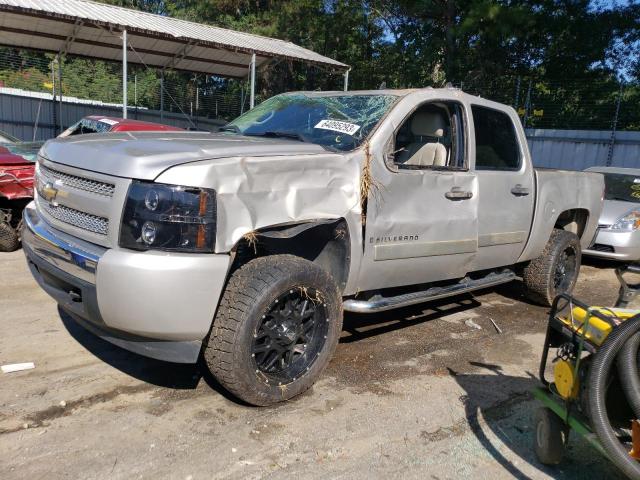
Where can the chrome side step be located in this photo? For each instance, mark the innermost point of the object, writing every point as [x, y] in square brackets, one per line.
[378, 303]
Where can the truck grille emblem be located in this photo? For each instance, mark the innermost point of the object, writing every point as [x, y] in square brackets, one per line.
[49, 192]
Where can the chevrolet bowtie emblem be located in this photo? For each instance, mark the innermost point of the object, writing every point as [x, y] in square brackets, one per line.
[49, 192]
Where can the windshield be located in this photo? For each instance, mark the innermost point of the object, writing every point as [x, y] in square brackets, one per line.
[337, 122]
[622, 187]
[88, 125]
[27, 150]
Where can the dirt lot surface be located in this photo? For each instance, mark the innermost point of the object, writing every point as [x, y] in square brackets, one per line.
[417, 393]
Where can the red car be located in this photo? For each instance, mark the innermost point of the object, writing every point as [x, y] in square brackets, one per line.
[17, 169]
[16, 190]
[101, 124]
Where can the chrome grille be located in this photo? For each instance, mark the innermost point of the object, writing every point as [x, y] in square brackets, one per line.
[85, 184]
[86, 221]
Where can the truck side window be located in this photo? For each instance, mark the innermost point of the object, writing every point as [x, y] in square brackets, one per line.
[496, 142]
[431, 137]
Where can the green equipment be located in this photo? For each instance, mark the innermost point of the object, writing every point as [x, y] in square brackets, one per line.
[595, 390]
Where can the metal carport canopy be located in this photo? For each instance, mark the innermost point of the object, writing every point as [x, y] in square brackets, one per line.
[90, 29]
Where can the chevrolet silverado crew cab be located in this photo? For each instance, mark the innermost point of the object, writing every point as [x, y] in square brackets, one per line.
[244, 247]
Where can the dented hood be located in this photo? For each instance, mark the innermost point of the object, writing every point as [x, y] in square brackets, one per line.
[145, 155]
[10, 160]
[16, 178]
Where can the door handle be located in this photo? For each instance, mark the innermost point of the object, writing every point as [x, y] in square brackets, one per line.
[520, 191]
[456, 193]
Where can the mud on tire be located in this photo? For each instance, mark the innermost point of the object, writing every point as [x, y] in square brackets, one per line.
[9, 238]
[556, 270]
[275, 330]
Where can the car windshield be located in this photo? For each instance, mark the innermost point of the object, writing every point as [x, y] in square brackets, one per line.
[622, 187]
[87, 125]
[338, 122]
[27, 150]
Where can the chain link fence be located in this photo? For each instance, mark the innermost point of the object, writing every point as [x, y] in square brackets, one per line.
[162, 95]
[197, 100]
[585, 104]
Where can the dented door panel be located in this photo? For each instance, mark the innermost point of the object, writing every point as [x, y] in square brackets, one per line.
[414, 234]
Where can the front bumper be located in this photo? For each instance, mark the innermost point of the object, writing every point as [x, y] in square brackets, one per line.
[623, 246]
[153, 303]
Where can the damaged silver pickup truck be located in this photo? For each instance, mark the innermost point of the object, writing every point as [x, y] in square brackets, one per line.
[243, 247]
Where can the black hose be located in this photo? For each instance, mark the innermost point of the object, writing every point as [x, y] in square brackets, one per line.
[598, 378]
[629, 374]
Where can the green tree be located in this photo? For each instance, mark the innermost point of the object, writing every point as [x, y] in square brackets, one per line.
[574, 53]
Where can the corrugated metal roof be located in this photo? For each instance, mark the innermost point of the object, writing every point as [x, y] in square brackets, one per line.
[92, 29]
[18, 92]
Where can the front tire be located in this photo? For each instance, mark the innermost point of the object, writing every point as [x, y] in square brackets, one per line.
[9, 238]
[275, 330]
[556, 270]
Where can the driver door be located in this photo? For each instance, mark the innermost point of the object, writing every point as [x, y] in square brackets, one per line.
[421, 220]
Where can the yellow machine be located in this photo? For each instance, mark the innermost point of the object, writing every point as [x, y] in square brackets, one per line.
[597, 329]
[583, 322]
[595, 390]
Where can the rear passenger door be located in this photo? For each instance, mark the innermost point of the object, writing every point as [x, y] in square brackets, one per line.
[505, 184]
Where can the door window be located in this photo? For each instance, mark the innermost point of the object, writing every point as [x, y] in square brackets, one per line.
[431, 137]
[496, 141]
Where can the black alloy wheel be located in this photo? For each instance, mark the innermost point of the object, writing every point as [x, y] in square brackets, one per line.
[565, 272]
[290, 335]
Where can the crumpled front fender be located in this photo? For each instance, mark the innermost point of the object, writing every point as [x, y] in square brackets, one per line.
[16, 183]
[254, 193]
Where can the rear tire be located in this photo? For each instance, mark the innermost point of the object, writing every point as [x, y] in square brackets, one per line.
[556, 270]
[275, 330]
[9, 238]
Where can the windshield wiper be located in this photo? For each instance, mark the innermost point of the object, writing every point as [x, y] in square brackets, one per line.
[229, 128]
[292, 136]
[274, 134]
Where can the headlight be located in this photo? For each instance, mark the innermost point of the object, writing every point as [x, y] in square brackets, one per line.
[628, 223]
[169, 217]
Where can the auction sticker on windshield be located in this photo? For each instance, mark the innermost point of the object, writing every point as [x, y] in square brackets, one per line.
[338, 126]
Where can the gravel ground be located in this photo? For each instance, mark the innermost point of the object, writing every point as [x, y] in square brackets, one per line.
[414, 393]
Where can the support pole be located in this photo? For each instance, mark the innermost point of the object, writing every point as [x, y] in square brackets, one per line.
[35, 126]
[61, 127]
[53, 93]
[135, 94]
[252, 98]
[346, 80]
[614, 127]
[162, 96]
[124, 74]
[527, 106]
[197, 102]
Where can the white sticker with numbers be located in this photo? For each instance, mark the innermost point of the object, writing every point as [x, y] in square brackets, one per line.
[108, 121]
[338, 126]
